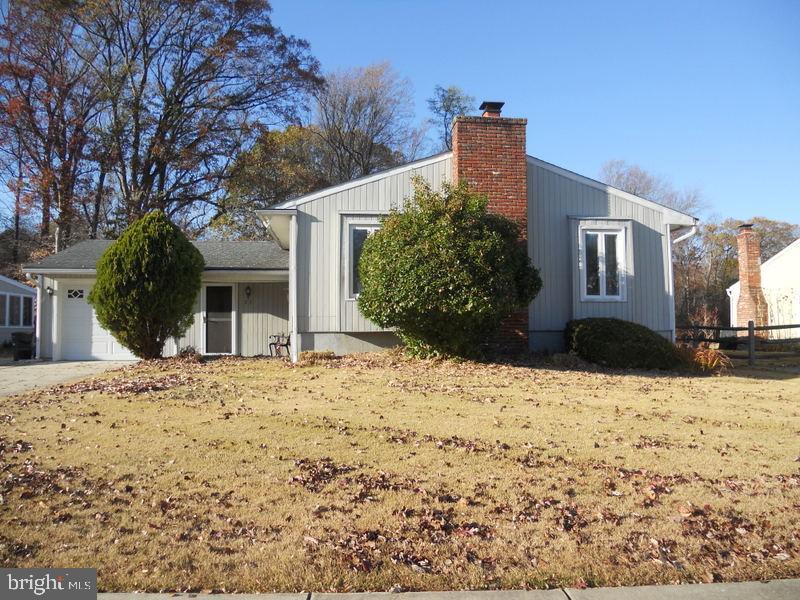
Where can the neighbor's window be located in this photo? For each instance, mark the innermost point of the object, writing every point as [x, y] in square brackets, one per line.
[603, 260]
[27, 311]
[3, 310]
[358, 235]
[13, 310]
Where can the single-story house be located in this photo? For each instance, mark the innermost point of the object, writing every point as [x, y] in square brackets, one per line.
[243, 300]
[601, 252]
[17, 310]
[767, 293]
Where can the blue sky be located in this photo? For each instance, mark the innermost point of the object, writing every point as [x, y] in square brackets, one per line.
[704, 93]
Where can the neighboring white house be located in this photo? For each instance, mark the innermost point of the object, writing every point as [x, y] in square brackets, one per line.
[600, 251]
[16, 308]
[780, 283]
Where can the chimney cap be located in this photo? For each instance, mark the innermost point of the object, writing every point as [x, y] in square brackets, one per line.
[491, 106]
[746, 226]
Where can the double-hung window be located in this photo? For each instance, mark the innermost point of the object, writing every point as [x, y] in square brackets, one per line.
[358, 234]
[603, 260]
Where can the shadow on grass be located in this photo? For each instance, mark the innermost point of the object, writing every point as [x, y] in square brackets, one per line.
[776, 366]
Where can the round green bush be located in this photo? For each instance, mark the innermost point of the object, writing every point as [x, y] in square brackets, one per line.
[445, 272]
[621, 344]
[147, 283]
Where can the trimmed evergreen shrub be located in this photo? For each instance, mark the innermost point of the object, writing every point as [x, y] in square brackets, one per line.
[445, 272]
[147, 282]
[621, 344]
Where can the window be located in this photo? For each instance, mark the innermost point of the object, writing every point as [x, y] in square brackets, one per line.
[27, 311]
[75, 294]
[603, 260]
[16, 311]
[358, 235]
[13, 310]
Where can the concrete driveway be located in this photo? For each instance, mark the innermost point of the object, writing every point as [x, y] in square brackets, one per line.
[25, 375]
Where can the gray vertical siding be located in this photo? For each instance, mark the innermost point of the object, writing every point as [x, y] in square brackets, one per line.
[264, 313]
[193, 336]
[555, 204]
[322, 305]
[553, 199]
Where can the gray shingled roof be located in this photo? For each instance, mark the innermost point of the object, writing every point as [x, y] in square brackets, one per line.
[219, 256]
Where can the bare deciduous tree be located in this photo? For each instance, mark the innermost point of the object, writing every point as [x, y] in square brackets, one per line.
[636, 180]
[364, 118]
[185, 83]
[445, 105]
[48, 102]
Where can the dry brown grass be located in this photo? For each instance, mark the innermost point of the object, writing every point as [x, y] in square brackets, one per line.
[375, 471]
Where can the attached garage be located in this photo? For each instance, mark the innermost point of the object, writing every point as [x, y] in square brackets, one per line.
[82, 337]
[244, 301]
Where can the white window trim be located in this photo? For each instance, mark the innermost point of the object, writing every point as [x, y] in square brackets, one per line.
[372, 227]
[7, 313]
[621, 263]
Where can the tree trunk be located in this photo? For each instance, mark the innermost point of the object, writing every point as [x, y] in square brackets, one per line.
[98, 201]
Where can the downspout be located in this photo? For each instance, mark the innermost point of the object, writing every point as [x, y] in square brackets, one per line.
[684, 236]
[38, 312]
[293, 333]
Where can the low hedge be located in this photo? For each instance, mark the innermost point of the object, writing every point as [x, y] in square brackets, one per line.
[621, 344]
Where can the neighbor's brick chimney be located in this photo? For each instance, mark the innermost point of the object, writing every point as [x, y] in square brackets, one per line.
[752, 306]
[489, 154]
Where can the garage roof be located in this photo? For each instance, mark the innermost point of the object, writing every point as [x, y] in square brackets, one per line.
[219, 256]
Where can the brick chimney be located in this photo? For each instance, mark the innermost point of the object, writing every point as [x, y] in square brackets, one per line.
[489, 154]
[752, 306]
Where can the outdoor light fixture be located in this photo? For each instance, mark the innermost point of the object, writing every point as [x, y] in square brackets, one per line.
[247, 291]
[49, 290]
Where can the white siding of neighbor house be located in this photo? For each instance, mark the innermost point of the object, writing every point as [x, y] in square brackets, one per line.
[780, 280]
[322, 305]
[556, 204]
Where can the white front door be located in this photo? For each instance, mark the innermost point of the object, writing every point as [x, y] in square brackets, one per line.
[219, 319]
[82, 336]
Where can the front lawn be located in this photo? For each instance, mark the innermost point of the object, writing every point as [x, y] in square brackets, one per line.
[375, 472]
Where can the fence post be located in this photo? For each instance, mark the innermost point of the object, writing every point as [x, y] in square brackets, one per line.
[751, 343]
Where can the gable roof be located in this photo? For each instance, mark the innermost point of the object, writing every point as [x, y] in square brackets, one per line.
[16, 284]
[219, 256]
[414, 164]
[794, 246]
[674, 216]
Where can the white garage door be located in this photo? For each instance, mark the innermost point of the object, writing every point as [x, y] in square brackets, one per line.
[82, 336]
